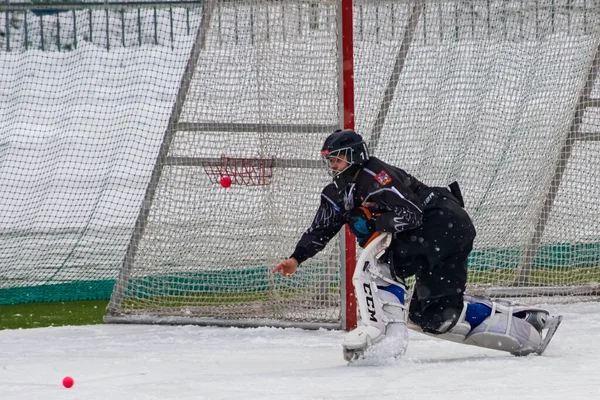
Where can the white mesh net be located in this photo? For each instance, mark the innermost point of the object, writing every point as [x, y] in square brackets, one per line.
[263, 93]
[487, 95]
[500, 96]
[484, 93]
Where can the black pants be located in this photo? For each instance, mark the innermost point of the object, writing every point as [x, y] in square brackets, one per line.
[436, 254]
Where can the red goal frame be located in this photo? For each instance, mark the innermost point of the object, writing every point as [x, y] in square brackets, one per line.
[349, 312]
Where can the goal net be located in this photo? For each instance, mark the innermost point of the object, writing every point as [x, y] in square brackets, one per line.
[258, 96]
[491, 94]
[499, 96]
[113, 148]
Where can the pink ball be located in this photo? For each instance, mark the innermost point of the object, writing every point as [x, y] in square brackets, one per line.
[225, 181]
[68, 382]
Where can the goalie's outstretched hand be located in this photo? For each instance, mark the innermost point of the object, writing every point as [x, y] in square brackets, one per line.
[286, 267]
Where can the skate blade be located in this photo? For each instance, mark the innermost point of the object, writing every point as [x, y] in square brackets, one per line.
[551, 325]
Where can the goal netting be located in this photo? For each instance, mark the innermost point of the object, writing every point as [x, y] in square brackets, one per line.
[118, 179]
[500, 96]
[491, 94]
[258, 97]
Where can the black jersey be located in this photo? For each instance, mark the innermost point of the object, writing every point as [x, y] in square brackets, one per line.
[391, 194]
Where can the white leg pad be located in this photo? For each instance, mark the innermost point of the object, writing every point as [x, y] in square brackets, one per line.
[501, 330]
[506, 332]
[380, 301]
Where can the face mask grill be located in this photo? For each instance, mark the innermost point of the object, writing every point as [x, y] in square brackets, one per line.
[337, 161]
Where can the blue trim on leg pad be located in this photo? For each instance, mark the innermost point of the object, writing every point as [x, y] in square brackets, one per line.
[395, 290]
[477, 313]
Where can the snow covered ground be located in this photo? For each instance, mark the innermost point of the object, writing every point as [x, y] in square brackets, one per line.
[188, 362]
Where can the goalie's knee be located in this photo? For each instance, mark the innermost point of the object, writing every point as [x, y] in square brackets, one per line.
[436, 315]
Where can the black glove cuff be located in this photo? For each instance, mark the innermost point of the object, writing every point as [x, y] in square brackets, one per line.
[300, 255]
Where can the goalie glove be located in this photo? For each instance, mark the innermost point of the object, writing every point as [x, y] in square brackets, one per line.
[362, 225]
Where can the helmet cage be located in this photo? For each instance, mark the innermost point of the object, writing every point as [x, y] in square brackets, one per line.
[333, 159]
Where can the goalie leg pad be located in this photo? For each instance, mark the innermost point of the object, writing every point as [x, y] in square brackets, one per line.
[507, 333]
[502, 325]
[536, 316]
[513, 327]
[372, 316]
[384, 333]
[381, 305]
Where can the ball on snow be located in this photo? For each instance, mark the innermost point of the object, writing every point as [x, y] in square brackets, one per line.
[68, 382]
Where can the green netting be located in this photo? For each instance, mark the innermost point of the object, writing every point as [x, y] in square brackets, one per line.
[578, 263]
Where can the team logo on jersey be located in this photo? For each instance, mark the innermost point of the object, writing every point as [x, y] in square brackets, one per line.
[373, 207]
[383, 178]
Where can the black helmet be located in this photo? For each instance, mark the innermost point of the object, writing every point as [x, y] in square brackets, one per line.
[344, 146]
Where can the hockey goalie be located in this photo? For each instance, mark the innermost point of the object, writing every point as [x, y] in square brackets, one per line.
[407, 229]
[500, 325]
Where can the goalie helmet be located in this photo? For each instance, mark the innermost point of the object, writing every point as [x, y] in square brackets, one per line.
[343, 152]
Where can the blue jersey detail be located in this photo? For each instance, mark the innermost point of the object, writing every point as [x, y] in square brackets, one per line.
[476, 313]
[395, 290]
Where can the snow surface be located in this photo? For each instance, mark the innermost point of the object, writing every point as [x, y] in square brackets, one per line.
[190, 362]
